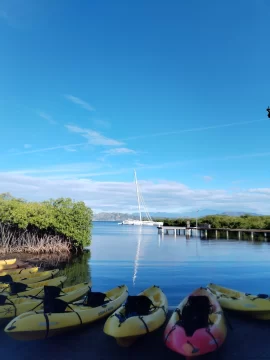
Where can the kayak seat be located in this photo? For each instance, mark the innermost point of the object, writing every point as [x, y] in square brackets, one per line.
[6, 279]
[3, 299]
[16, 287]
[137, 305]
[51, 292]
[195, 314]
[94, 299]
[263, 296]
[52, 305]
[258, 296]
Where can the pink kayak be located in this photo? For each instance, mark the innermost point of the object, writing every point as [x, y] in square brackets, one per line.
[197, 326]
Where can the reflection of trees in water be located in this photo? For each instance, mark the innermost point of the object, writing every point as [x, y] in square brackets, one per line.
[78, 269]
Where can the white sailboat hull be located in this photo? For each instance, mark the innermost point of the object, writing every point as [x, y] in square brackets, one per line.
[141, 222]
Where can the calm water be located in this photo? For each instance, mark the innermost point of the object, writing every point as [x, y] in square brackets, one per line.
[139, 257]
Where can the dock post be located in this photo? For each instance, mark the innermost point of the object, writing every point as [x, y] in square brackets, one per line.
[174, 232]
[239, 235]
[216, 234]
[252, 235]
[205, 233]
[227, 234]
[167, 232]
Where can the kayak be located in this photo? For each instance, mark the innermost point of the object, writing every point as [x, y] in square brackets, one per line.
[256, 306]
[37, 289]
[22, 271]
[12, 308]
[30, 279]
[140, 315]
[16, 265]
[197, 326]
[8, 266]
[8, 262]
[58, 316]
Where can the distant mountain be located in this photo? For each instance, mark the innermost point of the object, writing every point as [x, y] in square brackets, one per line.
[113, 216]
[239, 213]
[104, 216]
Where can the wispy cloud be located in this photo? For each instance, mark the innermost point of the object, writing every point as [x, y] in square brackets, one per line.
[195, 160]
[207, 178]
[119, 151]
[70, 149]
[166, 133]
[85, 105]
[27, 146]
[94, 137]
[64, 147]
[47, 117]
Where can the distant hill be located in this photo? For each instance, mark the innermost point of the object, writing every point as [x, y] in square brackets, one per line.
[239, 213]
[114, 216]
[104, 216]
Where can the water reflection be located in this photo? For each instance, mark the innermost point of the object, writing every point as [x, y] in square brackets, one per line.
[137, 256]
[78, 269]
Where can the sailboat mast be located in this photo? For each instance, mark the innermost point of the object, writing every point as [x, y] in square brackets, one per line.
[138, 196]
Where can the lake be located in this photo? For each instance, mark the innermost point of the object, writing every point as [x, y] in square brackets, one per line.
[139, 257]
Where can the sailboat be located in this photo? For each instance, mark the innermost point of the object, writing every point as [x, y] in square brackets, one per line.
[141, 203]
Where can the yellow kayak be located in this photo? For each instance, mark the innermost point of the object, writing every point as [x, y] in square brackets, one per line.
[21, 271]
[59, 316]
[30, 279]
[140, 315]
[37, 289]
[256, 306]
[7, 266]
[8, 262]
[12, 308]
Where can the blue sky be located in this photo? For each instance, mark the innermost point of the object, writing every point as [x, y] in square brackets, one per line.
[177, 90]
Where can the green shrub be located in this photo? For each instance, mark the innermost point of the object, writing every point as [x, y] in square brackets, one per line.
[224, 221]
[65, 217]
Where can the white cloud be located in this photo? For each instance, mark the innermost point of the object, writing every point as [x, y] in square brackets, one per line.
[121, 196]
[119, 151]
[93, 137]
[70, 149]
[265, 191]
[80, 102]
[47, 117]
[27, 146]
[207, 178]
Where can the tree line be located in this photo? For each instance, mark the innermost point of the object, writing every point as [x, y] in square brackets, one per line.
[52, 226]
[223, 221]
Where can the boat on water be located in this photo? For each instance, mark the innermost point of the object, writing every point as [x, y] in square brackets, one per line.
[141, 203]
[143, 222]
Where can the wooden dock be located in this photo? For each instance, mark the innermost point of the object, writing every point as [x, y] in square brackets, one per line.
[203, 232]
